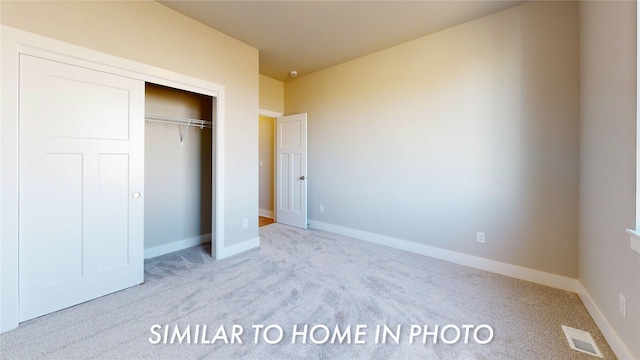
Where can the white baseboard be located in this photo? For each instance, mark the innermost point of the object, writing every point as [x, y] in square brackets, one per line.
[239, 248]
[202, 239]
[176, 246]
[266, 213]
[518, 272]
[616, 344]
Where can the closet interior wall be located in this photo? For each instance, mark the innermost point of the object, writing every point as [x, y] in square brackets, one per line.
[178, 175]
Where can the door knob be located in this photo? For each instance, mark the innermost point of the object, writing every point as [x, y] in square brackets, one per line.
[302, 177]
[135, 195]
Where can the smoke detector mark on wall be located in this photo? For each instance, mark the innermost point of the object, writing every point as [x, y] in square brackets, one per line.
[581, 341]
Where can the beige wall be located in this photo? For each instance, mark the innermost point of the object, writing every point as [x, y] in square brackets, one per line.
[150, 33]
[607, 167]
[271, 94]
[267, 163]
[178, 177]
[474, 128]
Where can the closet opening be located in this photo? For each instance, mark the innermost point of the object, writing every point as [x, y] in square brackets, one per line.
[179, 169]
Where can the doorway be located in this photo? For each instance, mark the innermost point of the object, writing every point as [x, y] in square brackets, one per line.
[282, 169]
[179, 169]
[266, 163]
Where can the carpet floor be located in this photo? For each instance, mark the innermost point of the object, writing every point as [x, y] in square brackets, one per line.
[322, 280]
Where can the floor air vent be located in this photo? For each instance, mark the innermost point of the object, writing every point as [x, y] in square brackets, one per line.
[581, 341]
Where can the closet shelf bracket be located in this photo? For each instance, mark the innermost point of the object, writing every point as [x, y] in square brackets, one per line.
[180, 121]
[183, 133]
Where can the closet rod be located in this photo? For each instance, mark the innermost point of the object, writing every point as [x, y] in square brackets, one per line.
[178, 120]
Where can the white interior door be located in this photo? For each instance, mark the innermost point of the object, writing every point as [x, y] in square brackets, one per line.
[81, 179]
[291, 170]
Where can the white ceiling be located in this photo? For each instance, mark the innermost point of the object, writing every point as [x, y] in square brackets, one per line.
[309, 36]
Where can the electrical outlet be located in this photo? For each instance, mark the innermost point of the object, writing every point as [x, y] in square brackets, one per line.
[245, 223]
[622, 305]
[321, 208]
[480, 237]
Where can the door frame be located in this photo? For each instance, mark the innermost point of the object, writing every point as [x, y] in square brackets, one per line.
[273, 115]
[16, 42]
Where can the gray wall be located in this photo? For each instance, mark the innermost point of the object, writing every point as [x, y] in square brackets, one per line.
[473, 128]
[608, 267]
[178, 178]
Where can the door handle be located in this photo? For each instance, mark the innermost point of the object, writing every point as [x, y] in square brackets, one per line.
[135, 195]
[302, 177]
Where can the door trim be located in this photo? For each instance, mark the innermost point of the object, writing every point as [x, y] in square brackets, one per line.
[273, 115]
[269, 113]
[16, 42]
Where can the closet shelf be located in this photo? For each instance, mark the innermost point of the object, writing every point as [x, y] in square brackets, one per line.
[178, 120]
[186, 122]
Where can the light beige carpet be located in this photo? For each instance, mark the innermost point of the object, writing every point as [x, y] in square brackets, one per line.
[310, 277]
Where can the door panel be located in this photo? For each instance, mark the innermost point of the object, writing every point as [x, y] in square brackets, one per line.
[284, 182]
[62, 212]
[296, 184]
[113, 217]
[291, 165]
[84, 118]
[81, 158]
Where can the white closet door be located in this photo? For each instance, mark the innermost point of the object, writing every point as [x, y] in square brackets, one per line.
[81, 184]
